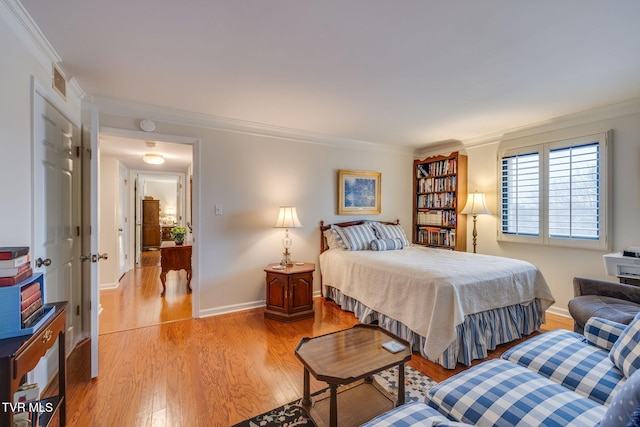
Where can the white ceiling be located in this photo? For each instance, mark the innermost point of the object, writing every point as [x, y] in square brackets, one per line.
[178, 157]
[402, 72]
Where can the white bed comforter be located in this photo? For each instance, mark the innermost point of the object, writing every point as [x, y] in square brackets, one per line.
[432, 290]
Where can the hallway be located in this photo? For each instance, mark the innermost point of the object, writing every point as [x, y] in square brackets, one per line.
[136, 303]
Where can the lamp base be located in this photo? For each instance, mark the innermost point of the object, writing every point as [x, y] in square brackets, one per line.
[286, 258]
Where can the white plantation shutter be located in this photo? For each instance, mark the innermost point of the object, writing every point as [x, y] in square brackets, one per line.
[555, 193]
[520, 199]
[574, 192]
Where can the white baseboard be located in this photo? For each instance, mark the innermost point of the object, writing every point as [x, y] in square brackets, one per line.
[106, 286]
[231, 308]
[559, 312]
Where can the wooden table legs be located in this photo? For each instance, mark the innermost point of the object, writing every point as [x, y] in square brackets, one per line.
[306, 397]
[400, 400]
[163, 279]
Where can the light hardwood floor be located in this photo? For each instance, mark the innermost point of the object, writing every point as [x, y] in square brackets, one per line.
[137, 303]
[215, 371]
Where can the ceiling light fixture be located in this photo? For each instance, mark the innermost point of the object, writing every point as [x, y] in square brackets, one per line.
[153, 159]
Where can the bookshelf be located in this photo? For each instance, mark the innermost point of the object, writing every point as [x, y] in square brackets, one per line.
[440, 189]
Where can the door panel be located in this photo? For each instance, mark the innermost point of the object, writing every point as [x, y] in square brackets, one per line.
[56, 214]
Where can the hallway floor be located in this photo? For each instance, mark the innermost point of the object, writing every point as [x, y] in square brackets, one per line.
[137, 303]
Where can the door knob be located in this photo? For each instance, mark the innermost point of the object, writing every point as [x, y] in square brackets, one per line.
[104, 256]
[40, 262]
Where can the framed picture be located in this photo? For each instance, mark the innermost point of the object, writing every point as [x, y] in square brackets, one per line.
[359, 192]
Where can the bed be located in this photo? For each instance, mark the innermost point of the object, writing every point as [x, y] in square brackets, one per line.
[451, 306]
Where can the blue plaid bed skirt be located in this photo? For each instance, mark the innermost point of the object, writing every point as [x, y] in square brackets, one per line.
[478, 334]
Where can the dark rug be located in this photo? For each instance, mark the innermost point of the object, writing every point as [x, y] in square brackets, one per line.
[292, 414]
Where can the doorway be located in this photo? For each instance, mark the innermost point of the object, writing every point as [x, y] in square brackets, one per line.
[130, 285]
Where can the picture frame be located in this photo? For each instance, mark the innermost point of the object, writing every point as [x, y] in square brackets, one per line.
[359, 192]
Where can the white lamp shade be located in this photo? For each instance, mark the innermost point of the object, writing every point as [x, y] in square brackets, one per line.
[287, 218]
[476, 205]
[153, 159]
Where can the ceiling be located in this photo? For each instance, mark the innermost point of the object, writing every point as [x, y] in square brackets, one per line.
[178, 157]
[399, 72]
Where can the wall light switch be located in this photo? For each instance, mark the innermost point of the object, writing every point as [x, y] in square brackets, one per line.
[218, 209]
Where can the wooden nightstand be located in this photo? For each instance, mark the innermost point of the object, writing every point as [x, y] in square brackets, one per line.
[289, 292]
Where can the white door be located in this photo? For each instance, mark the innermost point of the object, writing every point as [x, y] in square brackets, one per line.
[56, 209]
[122, 209]
[90, 255]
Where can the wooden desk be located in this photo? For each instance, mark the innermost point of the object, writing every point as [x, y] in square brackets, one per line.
[175, 258]
[20, 355]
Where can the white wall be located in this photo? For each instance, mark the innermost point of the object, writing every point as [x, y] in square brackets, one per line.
[251, 176]
[21, 61]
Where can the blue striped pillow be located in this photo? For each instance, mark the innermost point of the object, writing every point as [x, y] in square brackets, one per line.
[391, 231]
[356, 237]
[386, 244]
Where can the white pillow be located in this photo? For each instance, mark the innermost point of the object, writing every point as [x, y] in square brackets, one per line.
[356, 237]
[391, 231]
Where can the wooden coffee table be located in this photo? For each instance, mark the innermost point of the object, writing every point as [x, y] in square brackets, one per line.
[347, 356]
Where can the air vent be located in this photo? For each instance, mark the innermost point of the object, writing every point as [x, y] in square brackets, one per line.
[59, 82]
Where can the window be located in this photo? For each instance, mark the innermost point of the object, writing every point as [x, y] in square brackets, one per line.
[555, 193]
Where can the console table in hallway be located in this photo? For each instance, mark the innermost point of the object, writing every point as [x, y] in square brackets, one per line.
[176, 257]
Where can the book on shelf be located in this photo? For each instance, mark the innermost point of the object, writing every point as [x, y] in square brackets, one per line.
[29, 290]
[15, 262]
[8, 281]
[35, 316]
[31, 308]
[11, 252]
[30, 300]
[25, 403]
[8, 272]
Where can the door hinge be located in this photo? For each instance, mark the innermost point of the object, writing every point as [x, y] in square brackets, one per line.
[77, 310]
[77, 230]
[78, 151]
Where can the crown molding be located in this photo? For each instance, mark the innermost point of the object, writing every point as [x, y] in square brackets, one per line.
[605, 112]
[180, 117]
[25, 28]
[27, 31]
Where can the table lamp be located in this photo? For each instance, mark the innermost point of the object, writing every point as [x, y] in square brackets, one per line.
[287, 218]
[475, 206]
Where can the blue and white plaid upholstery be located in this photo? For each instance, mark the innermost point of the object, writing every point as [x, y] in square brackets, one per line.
[356, 237]
[602, 333]
[501, 393]
[412, 414]
[567, 359]
[625, 353]
[386, 244]
[389, 231]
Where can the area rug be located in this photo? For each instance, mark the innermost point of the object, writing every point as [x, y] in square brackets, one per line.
[292, 414]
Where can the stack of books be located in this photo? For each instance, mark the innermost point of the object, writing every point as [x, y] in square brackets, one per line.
[26, 405]
[31, 304]
[15, 265]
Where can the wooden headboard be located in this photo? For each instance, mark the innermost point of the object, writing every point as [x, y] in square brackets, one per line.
[323, 228]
